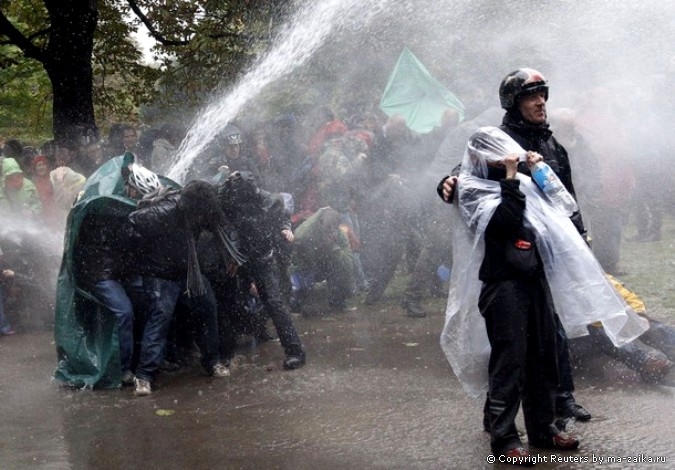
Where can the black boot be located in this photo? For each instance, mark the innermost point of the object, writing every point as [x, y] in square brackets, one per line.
[567, 407]
[414, 308]
[294, 362]
[295, 356]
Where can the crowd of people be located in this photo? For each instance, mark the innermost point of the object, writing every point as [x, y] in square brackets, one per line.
[275, 207]
[266, 216]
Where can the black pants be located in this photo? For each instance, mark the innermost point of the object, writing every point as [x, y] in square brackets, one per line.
[265, 274]
[564, 396]
[521, 326]
[234, 316]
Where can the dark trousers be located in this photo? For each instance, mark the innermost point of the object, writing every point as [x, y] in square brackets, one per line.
[383, 251]
[564, 395]
[521, 327]
[634, 354]
[234, 313]
[265, 274]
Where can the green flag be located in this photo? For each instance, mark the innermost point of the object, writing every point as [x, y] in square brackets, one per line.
[417, 96]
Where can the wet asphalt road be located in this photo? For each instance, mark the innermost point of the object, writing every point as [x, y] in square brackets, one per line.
[377, 393]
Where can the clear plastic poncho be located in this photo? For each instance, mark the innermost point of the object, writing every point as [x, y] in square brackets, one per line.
[581, 292]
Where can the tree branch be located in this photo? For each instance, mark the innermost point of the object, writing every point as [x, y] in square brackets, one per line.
[226, 34]
[18, 39]
[155, 34]
[37, 34]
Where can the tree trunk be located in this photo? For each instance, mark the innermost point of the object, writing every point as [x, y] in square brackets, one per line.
[68, 60]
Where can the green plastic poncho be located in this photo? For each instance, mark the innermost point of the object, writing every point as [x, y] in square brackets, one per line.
[85, 333]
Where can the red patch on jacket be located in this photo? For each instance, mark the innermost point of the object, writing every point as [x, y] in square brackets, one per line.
[522, 244]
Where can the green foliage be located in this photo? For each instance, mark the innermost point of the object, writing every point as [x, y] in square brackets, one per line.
[221, 39]
[25, 99]
[121, 81]
[25, 90]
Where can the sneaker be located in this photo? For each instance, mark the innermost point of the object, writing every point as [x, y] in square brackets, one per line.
[128, 378]
[219, 371]
[8, 332]
[142, 387]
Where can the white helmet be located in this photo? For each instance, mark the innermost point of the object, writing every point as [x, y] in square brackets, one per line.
[142, 179]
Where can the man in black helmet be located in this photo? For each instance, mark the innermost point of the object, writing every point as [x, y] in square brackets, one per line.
[523, 93]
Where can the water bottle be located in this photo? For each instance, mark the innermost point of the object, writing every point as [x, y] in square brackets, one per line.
[443, 273]
[556, 192]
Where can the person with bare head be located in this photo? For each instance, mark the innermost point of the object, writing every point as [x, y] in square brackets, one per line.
[164, 147]
[114, 146]
[45, 188]
[12, 148]
[130, 138]
[396, 149]
[589, 182]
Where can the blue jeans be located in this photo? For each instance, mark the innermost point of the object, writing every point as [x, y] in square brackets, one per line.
[162, 296]
[111, 293]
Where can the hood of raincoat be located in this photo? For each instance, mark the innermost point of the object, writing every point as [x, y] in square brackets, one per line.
[10, 167]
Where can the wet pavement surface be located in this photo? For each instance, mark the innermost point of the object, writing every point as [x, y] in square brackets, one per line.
[376, 393]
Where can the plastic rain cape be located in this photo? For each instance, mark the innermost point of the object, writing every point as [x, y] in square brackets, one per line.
[85, 333]
[581, 292]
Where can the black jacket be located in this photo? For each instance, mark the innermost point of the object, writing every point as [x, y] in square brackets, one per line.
[539, 138]
[258, 223]
[510, 249]
[103, 249]
[160, 234]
